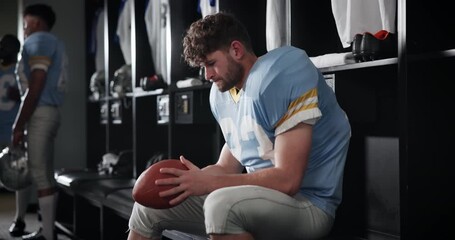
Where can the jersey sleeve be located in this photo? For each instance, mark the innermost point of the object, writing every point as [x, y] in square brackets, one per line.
[290, 93]
[40, 50]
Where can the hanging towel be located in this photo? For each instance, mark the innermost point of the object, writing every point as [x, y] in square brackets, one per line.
[275, 29]
[207, 7]
[157, 21]
[124, 29]
[99, 41]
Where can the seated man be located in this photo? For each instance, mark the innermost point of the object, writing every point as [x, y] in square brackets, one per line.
[281, 122]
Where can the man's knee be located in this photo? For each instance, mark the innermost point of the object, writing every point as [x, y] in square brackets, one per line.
[220, 201]
[221, 210]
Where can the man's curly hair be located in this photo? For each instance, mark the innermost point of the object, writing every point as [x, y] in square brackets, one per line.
[212, 33]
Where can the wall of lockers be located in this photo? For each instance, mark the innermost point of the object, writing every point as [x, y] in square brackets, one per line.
[398, 173]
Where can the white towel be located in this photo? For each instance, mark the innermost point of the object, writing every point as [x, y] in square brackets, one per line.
[333, 59]
[190, 82]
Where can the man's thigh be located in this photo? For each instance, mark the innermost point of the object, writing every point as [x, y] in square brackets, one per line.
[186, 217]
[265, 213]
[41, 132]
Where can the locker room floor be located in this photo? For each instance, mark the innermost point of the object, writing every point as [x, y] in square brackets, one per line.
[7, 212]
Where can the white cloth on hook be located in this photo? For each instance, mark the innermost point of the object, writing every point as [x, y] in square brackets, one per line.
[275, 28]
[124, 29]
[207, 7]
[157, 21]
[99, 51]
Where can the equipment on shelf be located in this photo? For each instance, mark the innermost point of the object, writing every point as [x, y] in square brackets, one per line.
[153, 82]
[121, 83]
[120, 164]
[98, 85]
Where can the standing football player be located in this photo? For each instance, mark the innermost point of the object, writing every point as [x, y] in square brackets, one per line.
[44, 65]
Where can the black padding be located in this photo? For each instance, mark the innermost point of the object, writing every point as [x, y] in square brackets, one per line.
[121, 201]
[103, 187]
[73, 178]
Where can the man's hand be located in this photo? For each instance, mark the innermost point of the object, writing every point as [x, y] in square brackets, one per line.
[192, 182]
[17, 137]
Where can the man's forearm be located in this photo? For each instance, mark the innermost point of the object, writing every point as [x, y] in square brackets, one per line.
[31, 98]
[25, 112]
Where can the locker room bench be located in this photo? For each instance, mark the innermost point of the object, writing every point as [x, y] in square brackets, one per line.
[94, 206]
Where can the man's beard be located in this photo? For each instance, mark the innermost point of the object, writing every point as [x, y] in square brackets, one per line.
[233, 76]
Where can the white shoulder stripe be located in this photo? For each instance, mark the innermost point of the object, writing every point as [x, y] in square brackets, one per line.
[309, 116]
[39, 66]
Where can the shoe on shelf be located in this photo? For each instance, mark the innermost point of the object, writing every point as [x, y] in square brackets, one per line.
[17, 228]
[382, 44]
[355, 45]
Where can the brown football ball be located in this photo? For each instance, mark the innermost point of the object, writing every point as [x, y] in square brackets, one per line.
[146, 193]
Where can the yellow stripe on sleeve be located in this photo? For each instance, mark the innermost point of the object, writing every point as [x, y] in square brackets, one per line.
[39, 62]
[305, 102]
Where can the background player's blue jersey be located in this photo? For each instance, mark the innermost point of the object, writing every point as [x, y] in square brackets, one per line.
[8, 107]
[44, 51]
[283, 89]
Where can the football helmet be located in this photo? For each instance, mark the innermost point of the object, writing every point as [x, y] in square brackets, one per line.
[121, 83]
[14, 171]
[97, 85]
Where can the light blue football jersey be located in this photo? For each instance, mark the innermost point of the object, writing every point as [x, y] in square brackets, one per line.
[44, 51]
[8, 107]
[283, 89]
